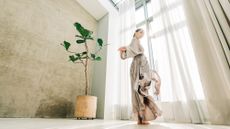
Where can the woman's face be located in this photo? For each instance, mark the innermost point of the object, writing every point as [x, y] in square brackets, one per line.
[139, 34]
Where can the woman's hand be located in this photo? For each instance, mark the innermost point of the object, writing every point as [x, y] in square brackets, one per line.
[157, 92]
[157, 87]
[122, 49]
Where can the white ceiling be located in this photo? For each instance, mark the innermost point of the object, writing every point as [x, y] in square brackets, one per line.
[93, 7]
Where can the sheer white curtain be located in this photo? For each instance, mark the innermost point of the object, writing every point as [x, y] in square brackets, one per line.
[118, 105]
[210, 28]
[191, 49]
[190, 43]
[182, 97]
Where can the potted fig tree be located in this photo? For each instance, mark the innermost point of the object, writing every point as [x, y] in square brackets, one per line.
[86, 105]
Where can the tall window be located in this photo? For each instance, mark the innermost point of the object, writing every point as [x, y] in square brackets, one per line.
[143, 20]
[149, 19]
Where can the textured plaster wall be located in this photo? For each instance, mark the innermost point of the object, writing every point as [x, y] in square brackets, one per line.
[36, 79]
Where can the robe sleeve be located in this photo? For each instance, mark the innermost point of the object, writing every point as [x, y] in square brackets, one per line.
[155, 76]
[132, 50]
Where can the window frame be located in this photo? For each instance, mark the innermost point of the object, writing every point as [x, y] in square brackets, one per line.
[146, 22]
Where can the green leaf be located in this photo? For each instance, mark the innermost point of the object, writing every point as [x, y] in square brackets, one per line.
[66, 45]
[98, 58]
[84, 57]
[100, 42]
[72, 58]
[79, 36]
[89, 34]
[84, 32]
[78, 54]
[79, 28]
[84, 53]
[91, 38]
[93, 56]
[80, 41]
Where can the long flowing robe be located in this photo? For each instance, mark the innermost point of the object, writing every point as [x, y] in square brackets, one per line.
[141, 77]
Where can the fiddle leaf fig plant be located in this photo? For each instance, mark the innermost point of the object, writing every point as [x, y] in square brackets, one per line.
[85, 56]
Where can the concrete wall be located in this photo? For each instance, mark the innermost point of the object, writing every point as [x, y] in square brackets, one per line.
[99, 75]
[36, 79]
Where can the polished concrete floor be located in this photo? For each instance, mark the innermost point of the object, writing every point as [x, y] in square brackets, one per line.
[37, 123]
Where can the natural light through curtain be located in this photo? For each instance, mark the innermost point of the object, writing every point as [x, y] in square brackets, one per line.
[178, 28]
[182, 97]
[182, 41]
[118, 89]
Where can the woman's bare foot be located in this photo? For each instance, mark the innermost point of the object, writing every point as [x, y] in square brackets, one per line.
[139, 122]
[145, 123]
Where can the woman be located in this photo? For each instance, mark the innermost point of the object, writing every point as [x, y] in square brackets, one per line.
[141, 76]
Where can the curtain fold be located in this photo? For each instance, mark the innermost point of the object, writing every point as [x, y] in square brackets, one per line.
[209, 26]
[220, 21]
[119, 105]
[182, 97]
[128, 26]
[190, 43]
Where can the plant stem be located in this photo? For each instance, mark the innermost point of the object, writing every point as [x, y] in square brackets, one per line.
[86, 71]
[86, 79]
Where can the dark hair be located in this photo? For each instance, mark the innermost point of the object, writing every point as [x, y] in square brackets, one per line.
[137, 30]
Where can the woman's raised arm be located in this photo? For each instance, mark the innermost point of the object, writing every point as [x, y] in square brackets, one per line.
[122, 51]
